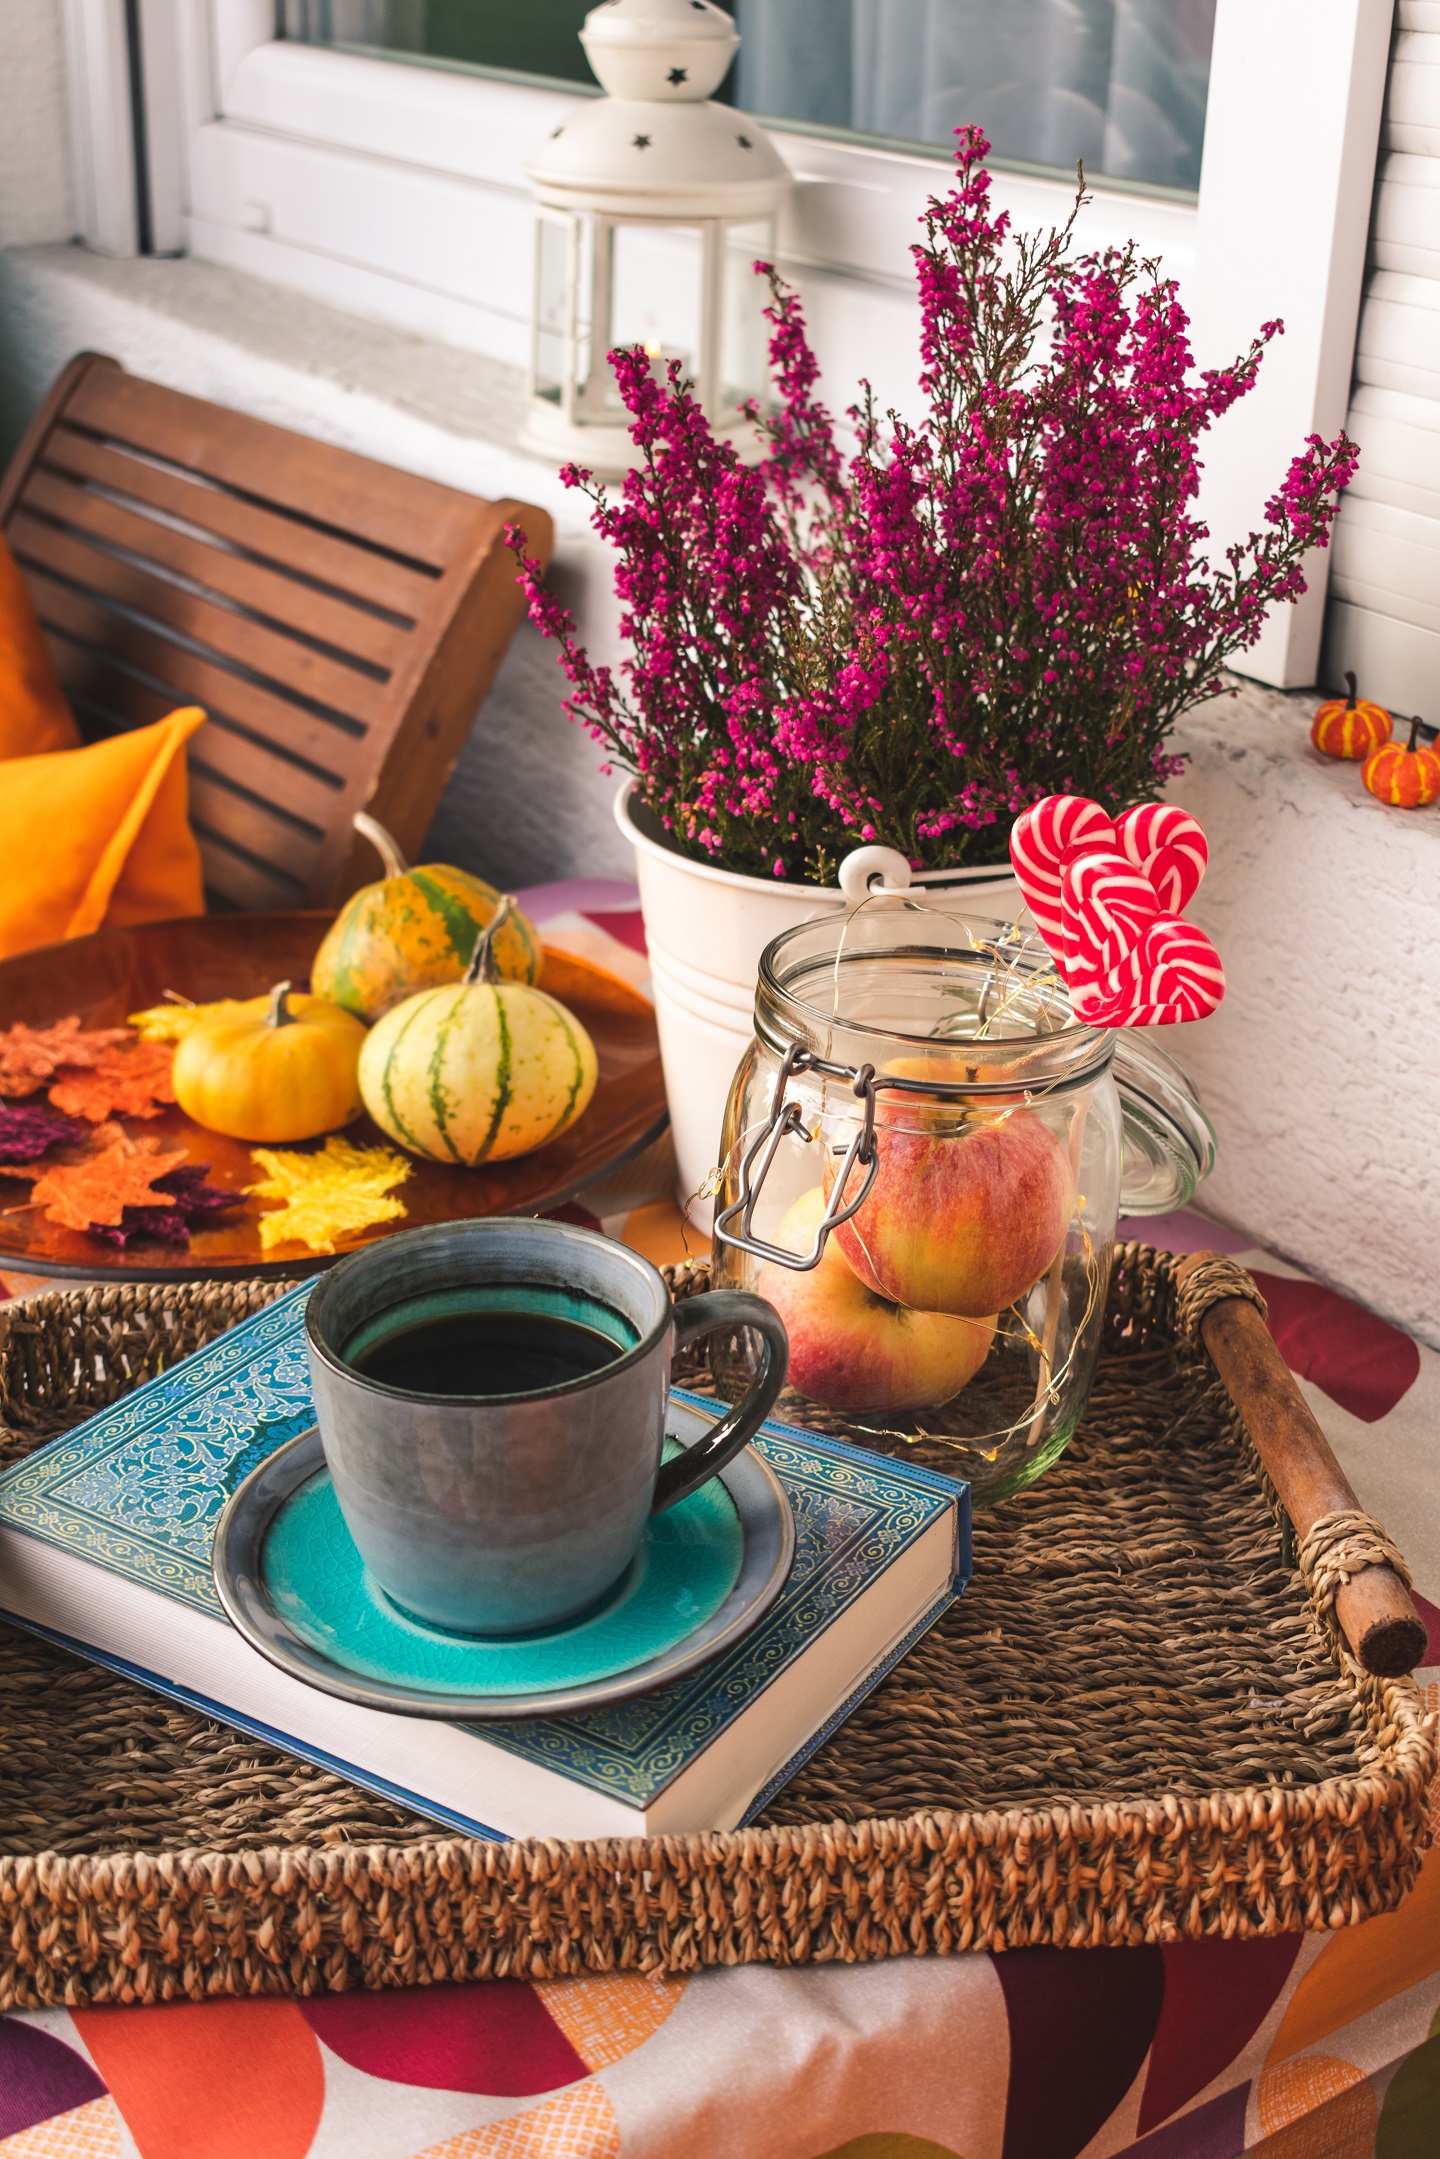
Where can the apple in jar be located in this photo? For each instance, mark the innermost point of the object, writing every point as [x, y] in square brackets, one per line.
[961, 1220]
[853, 1349]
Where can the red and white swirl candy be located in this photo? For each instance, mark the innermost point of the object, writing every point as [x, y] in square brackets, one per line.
[1107, 898]
[1041, 839]
[1168, 845]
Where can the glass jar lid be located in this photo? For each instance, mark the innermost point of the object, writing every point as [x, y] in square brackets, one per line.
[969, 1006]
[1169, 1141]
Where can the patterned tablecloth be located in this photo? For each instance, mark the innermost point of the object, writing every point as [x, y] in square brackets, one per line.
[1305, 2047]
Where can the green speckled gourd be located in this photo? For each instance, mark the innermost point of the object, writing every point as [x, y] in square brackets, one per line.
[481, 1070]
[413, 931]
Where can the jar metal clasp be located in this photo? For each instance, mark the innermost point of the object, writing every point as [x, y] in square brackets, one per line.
[787, 1121]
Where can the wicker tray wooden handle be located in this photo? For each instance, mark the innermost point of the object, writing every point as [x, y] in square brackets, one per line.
[1357, 1569]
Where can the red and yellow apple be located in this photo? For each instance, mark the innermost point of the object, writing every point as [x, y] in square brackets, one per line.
[960, 1221]
[852, 1349]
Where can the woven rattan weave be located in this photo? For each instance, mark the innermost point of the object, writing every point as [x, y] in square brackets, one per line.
[1135, 1726]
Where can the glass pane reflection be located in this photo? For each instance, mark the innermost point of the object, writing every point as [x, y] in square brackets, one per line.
[1119, 83]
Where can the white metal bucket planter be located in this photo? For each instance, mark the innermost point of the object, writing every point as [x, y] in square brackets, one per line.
[706, 929]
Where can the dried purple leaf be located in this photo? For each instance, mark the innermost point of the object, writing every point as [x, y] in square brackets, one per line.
[30, 1130]
[194, 1201]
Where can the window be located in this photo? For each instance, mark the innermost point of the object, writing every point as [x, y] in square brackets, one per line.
[1120, 84]
[333, 163]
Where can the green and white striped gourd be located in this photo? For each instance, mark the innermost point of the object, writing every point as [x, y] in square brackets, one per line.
[413, 931]
[479, 1071]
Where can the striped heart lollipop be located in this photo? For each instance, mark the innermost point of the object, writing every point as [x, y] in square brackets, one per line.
[1169, 846]
[1174, 973]
[1107, 899]
[1106, 906]
[1040, 840]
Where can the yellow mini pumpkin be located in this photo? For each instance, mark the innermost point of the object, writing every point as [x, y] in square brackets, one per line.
[274, 1068]
[478, 1072]
[413, 931]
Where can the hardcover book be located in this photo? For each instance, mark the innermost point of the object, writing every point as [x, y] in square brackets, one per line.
[105, 1539]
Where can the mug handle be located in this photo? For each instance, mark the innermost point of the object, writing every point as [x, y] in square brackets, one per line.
[707, 1314]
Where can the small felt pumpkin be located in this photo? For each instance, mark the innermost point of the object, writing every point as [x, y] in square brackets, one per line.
[412, 931]
[1350, 726]
[1407, 778]
[480, 1071]
[276, 1068]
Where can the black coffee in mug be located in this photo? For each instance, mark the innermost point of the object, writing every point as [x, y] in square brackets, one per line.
[497, 1512]
[497, 1340]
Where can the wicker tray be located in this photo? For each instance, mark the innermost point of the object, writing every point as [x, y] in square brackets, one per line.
[1139, 1724]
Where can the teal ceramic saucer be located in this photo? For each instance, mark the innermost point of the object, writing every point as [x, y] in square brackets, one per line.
[291, 1580]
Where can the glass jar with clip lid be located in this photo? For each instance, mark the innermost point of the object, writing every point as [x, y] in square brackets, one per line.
[925, 1154]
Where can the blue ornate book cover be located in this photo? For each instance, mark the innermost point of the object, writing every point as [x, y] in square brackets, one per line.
[138, 1489]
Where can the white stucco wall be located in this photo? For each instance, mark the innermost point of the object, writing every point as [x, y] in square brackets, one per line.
[1321, 1070]
[36, 198]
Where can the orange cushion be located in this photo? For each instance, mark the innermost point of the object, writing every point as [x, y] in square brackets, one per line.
[34, 717]
[98, 837]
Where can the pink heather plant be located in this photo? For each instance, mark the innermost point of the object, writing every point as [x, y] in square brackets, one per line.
[912, 643]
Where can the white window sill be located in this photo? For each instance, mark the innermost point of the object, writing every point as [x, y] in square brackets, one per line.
[279, 352]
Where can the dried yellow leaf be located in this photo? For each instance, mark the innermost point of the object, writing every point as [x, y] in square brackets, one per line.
[329, 1194]
[172, 1021]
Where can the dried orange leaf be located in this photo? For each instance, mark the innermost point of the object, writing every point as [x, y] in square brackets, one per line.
[31, 1055]
[329, 1194]
[135, 1081]
[86, 1194]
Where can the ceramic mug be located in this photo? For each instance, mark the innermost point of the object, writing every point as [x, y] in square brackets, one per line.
[503, 1513]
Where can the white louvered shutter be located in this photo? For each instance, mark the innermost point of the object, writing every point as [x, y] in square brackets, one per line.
[1383, 618]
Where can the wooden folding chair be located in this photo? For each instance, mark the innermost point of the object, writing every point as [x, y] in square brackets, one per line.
[339, 621]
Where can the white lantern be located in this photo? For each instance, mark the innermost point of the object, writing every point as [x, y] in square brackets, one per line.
[652, 206]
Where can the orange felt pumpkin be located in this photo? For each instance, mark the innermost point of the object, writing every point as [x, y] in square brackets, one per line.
[1350, 726]
[1408, 778]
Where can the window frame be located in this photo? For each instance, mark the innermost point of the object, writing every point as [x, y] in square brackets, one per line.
[394, 187]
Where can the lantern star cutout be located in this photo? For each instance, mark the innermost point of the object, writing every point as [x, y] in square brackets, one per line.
[642, 142]
[745, 142]
[678, 75]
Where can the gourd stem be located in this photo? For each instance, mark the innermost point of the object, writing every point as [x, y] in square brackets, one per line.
[371, 829]
[279, 1014]
[1414, 734]
[482, 966]
[1350, 686]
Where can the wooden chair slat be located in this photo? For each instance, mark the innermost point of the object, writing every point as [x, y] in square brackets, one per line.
[392, 512]
[400, 595]
[80, 629]
[236, 879]
[249, 829]
[270, 594]
[340, 622]
[113, 703]
[301, 795]
[343, 694]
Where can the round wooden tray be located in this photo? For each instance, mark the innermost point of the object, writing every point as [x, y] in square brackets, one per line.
[116, 972]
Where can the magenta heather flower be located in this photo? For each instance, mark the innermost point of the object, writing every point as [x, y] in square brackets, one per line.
[912, 641]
